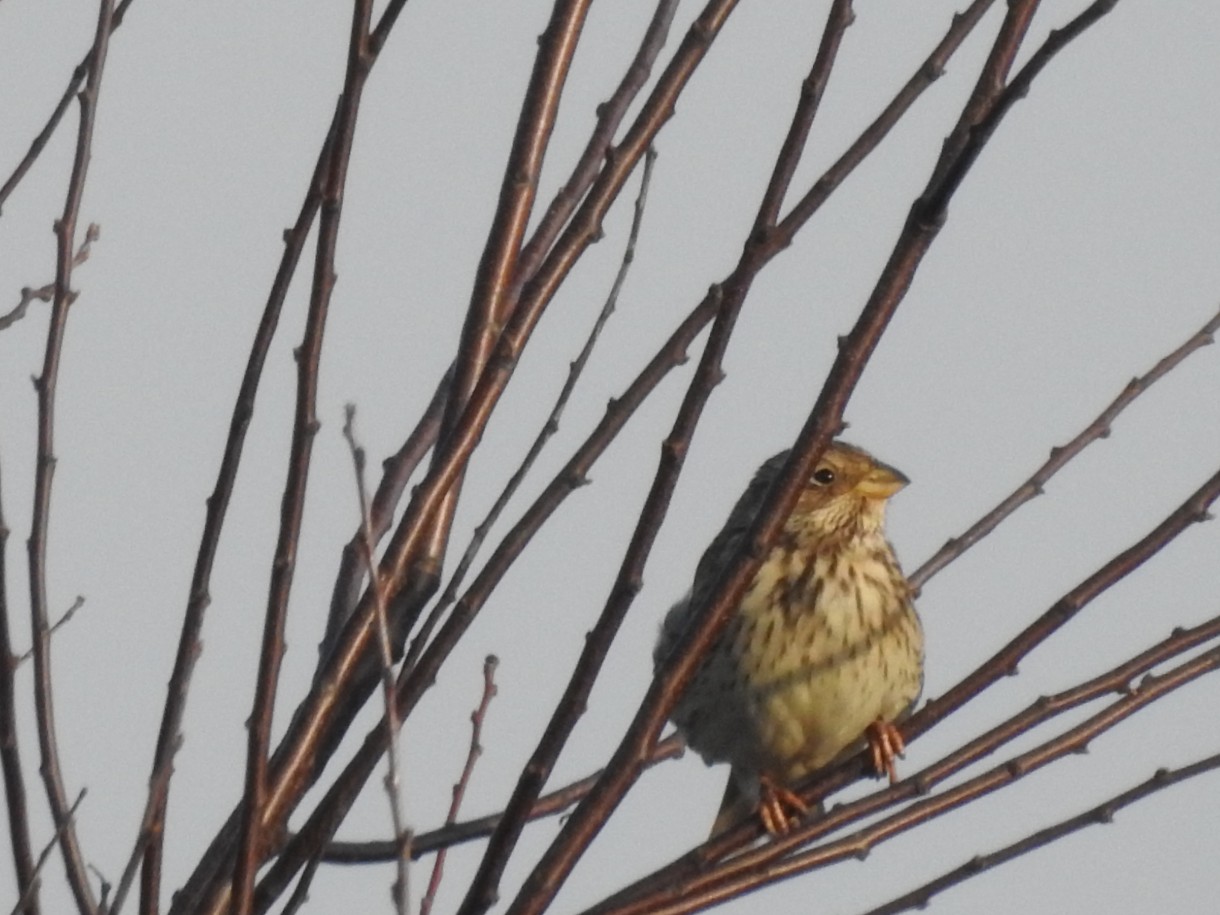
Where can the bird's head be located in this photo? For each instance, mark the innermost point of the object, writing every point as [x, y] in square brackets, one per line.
[845, 494]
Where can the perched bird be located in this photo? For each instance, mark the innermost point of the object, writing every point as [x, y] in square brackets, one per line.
[823, 654]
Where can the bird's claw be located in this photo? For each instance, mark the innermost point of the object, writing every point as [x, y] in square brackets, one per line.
[885, 744]
[778, 807]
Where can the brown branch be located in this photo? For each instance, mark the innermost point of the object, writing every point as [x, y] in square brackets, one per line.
[45, 385]
[425, 843]
[490, 302]
[477, 718]
[1102, 814]
[396, 472]
[1062, 454]
[74, 83]
[254, 830]
[549, 427]
[340, 691]
[24, 867]
[47, 293]
[929, 71]
[610, 115]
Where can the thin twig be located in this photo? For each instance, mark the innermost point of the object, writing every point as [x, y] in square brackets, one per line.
[1099, 428]
[393, 779]
[47, 293]
[74, 83]
[477, 718]
[1101, 814]
[213, 867]
[45, 385]
[68, 614]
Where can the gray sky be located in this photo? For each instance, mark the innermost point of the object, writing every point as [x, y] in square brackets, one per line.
[1082, 248]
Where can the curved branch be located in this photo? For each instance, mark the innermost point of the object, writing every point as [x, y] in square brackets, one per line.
[45, 384]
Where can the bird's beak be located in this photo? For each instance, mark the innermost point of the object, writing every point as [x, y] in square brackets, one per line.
[882, 482]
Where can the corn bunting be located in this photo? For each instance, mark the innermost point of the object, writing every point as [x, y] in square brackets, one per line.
[823, 654]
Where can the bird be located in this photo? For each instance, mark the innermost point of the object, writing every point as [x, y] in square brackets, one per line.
[823, 654]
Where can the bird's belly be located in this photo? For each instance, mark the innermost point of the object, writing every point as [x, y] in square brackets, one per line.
[813, 714]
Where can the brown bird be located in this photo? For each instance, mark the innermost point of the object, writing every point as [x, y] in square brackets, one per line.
[823, 654]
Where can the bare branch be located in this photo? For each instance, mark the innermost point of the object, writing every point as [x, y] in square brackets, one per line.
[610, 115]
[393, 783]
[45, 385]
[47, 293]
[68, 614]
[169, 738]
[82, 70]
[860, 843]
[1062, 454]
[1101, 814]
[459, 790]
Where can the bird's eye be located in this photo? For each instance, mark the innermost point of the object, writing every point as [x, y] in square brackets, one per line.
[823, 476]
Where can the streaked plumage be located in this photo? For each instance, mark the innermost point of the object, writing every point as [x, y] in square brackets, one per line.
[824, 645]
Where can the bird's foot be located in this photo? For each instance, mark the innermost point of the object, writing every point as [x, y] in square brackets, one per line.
[885, 744]
[778, 807]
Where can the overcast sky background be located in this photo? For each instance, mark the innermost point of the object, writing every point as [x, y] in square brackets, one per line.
[1081, 248]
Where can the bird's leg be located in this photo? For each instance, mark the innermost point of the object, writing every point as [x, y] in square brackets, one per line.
[885, 744]
[778, 807]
